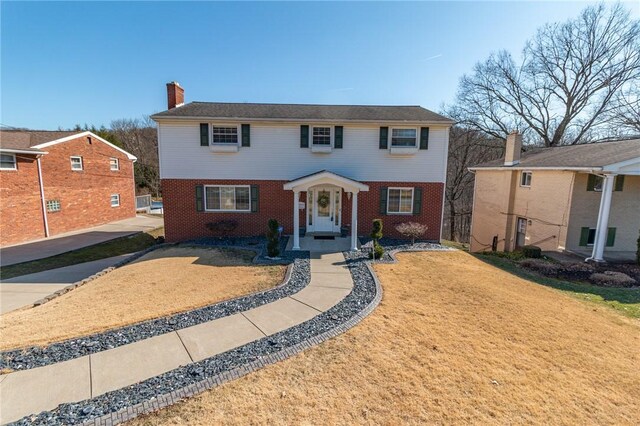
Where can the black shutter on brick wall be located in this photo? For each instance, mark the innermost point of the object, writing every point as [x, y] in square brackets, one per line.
[424, 138]
[304, 136]
[417, 200]
[246, 135]
[204, 134]
[254, 198]
[337, 140]
[384, 137]
[383, 200]
[199, 198]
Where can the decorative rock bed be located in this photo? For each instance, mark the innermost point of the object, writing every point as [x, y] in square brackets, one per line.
[166, 389]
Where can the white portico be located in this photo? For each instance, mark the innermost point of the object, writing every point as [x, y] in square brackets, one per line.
[323, 209]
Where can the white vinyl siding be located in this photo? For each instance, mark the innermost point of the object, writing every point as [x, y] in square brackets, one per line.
[8, 162]
[227, 198]
[76, 163]
[275, 155]
[115, 200]
[400, 201]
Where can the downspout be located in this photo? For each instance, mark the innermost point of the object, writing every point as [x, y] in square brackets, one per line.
[42, 200]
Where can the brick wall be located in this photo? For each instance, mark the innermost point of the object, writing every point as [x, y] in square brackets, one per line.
[183, 222]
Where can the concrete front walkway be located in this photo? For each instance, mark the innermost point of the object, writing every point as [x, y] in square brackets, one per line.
[26, 289]
[93, 375]
[74, 240]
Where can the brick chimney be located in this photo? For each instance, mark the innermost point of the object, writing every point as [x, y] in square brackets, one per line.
[513, 149]
[175, 95]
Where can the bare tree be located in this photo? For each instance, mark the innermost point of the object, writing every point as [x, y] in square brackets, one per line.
[566, 86]
[625, 118]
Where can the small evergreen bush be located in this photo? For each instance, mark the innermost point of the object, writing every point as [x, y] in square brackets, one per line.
[533, 252]
[273, 238]
[376, 234]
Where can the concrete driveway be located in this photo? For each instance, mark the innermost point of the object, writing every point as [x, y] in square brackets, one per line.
[26, 289]
[69, 241]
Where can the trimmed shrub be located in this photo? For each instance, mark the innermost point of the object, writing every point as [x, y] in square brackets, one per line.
[541, 266]
[412, 230]
[222, 227]
[612, 279]
[533, 252]
[273, 238]
[376, 234]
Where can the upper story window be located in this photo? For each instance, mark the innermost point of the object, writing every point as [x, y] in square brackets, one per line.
[8, 162]
[404, 137]
[76, 163]
[227, 198]
[525, 179]
[114, 164]
[322, 136]
[400, 201]
[227, 134]
[115, 200]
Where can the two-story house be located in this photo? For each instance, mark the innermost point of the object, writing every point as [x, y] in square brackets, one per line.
[583, 199]
[52, 182]
[319, 169]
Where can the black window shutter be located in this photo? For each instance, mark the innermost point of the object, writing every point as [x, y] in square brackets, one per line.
[619, 183]
[304, 136]
[584, 236]
[199, 198]
[254, 198]
[611, 237]
[591, 182]
[337, 139]
[417, 200]
[246, 135]
[424, 138]
[384, 137]
[383, 200]
[204, 134]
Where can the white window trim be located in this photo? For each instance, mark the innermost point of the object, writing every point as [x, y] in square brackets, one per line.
[530, 179]
[412, 200]
[238, 129]
[224, 210]
[117, 164]
[111, 200]
[81, 163]
[15, 162]
[390, 137]
[323, 126]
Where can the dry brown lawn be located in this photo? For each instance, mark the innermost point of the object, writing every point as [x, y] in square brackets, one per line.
[160, 283]
[453, 341]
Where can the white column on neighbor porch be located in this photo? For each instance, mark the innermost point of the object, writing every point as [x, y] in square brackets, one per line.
[603, 219]
[296, 221]
[354, 221]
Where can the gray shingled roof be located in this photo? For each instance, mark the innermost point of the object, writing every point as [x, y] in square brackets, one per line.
[213, 110]
[25, 139]
[597, 154]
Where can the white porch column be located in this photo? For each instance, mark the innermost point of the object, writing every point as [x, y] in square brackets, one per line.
[296, 221]
[603, 219]
[354, 221]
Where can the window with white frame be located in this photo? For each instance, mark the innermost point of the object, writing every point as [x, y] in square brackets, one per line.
[115, 200]
[226, 134]
[525, 179]
[76, 163]
[322, 136]
[8, 162]
[404, 137]
[53, 206]
[227, 198]
[114, 164]
[400, 201]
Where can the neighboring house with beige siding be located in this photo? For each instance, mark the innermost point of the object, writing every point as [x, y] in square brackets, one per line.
[558, 198]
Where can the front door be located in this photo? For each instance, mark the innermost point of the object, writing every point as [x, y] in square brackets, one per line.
[326, 210]
[521, 232]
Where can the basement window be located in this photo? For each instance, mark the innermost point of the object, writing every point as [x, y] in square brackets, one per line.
[53, 206]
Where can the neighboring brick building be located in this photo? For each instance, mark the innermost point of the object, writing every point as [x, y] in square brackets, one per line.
[55, 182]
[308, 166]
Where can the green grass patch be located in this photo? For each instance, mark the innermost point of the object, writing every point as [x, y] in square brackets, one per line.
[623, 300]
[455, 244]
[116, 247]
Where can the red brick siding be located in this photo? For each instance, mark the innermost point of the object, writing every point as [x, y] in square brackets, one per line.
[20, 207]
[183, 222]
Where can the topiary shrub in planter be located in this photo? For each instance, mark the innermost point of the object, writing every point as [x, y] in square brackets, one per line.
[376, 234]
[533, 252]
[273, 238]
[222, 227]
[412, 230]
[612, 279]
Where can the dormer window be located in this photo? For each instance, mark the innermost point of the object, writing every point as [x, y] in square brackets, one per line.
[404, 138]
[226, 135]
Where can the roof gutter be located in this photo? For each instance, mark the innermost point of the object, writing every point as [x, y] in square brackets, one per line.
[299, 120]
[23, 151]
[576, 169]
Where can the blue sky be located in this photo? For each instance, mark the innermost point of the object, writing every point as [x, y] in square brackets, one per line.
[93, 62]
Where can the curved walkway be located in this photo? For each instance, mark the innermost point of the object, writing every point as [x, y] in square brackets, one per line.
[39, 389]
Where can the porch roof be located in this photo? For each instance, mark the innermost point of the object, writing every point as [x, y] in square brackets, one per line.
[325, 177]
